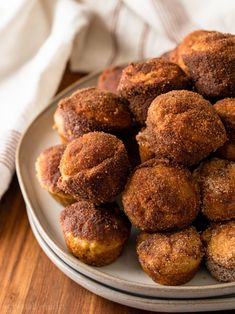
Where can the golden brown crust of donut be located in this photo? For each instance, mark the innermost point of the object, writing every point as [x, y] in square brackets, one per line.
[161, 195]
[47, 170]
[63, 198]
[110, 77]
[183, 126]
[91, 109]
[47, 167]
[220, 250]
[175, 55]
[145, 151]
[95, 234]
[216, 179]
[94, 167]
[170, 258]
[209, 59]
[141, 82]
[102, 223]
[225, 108]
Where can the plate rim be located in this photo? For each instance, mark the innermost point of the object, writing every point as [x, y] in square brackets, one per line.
[89, 269]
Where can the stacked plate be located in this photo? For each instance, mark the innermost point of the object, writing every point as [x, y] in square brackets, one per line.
[122, 281]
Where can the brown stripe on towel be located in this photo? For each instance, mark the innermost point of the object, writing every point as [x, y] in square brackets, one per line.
[6, 164]
[8, 157]
[9, 139]
[8, 148]
[143, 39]
[4, 159]
[8, 154]
[165, 19]
[17, 133]
[11, 136]
[181, 21]
[116, 14]
[12, 139]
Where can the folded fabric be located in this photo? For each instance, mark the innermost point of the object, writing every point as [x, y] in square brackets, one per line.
[38, 38]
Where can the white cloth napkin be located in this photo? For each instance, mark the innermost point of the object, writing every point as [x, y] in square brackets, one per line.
[38, 37]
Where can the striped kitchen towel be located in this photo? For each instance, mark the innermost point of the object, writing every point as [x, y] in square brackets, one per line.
[38, 37]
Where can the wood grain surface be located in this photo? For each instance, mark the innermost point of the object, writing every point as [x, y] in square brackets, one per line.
[29, 281]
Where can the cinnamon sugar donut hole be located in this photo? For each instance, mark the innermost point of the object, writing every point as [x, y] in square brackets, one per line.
[176, 55]
[141, 82]
[161, 195]
[88, 110]
[216, 179]
[48, 173]
[170, 258]
[110, 77]
[94, 167]
[220, 251]
[208, 57]
[226, 110]
[95, 234]
[182, 126]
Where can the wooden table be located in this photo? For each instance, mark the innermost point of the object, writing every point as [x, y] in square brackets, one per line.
[29, 281]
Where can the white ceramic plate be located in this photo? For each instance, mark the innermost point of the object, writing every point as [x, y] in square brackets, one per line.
[150, 304]
[126, 273]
